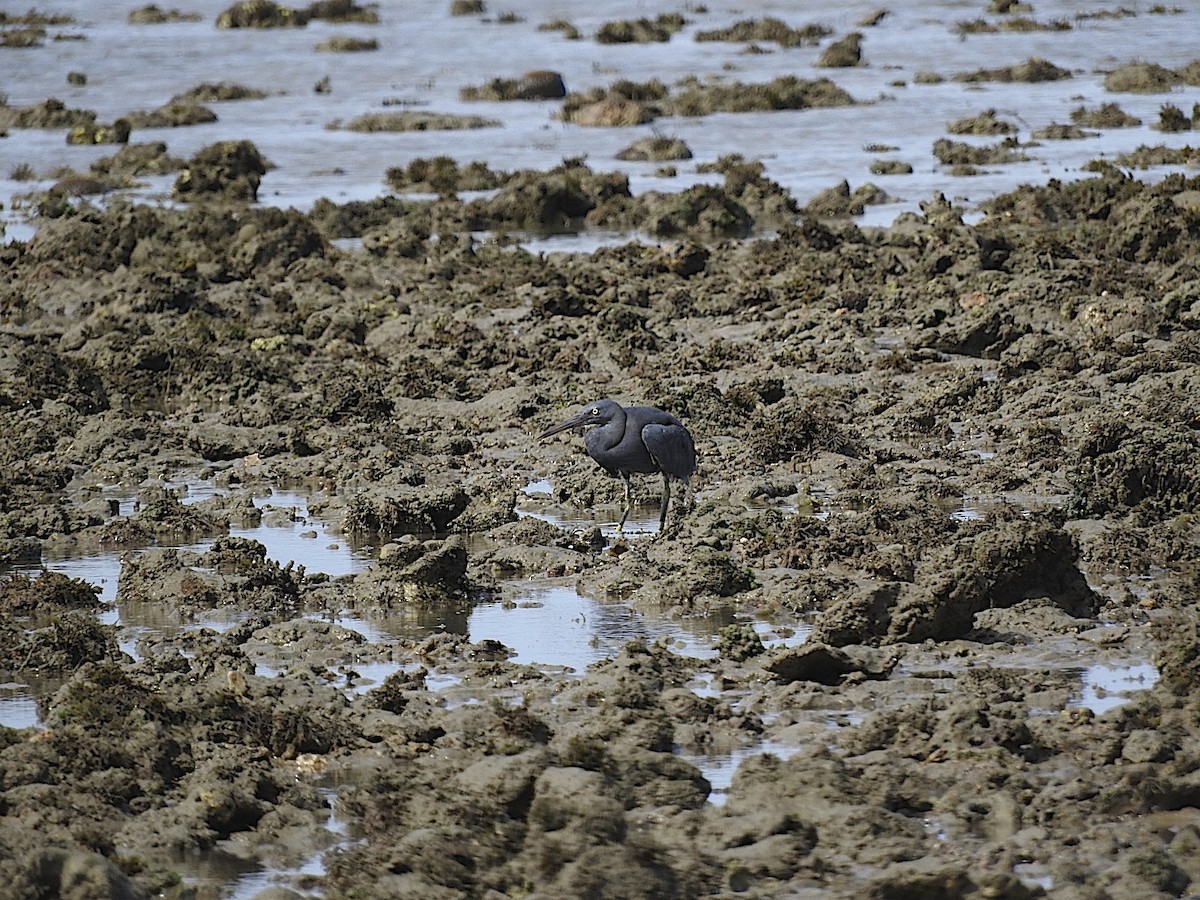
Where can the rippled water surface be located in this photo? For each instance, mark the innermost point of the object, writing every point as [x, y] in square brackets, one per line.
[426, 56]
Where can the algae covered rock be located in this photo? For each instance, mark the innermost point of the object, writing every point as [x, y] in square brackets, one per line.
[656, 149]
[261, 14]
[694, 98]
[540, 84]
[640, 31]
[551, 201]
[612, 112]
[139, 159]
[766, 29]
[1141, 78]
[22, 595]
[175, 114]
[93, 133]
[413, 121]
[1033, 70]
[1123, 467]
[153, 14]
[406, 510]
[1107, 115]
[227, 170]
[51, 113]
[984, 123]
[991, 568]
[820, 663]
[844, 53]
[739, 643]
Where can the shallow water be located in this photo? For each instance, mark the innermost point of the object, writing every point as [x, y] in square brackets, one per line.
[719, 768]
[1107, 687]
[426, 56]
[18, 708]
[535, 501]
[552, 626]
[304, 540]
[558, 626]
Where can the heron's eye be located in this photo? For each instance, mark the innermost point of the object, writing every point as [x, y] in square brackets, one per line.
[595, 410]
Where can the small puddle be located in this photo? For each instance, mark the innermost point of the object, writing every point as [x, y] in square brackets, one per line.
[536, 502]
[244, 880]
[552, 626]
[305, 541]
[574, 242]
[719, 768]
[1107, 687]
[967, 513]
[558, 626]
[643, 519]
[353, 678]
[18, 708]
[292, 537]
[1034, 875]
[287, 531]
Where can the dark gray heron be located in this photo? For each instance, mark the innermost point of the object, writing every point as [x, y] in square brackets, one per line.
[634, 439]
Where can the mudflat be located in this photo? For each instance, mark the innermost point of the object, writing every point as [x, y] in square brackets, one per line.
[964, 454]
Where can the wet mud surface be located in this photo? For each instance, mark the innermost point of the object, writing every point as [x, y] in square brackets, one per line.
[964, 455]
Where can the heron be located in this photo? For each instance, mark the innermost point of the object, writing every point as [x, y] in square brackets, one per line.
[628, 440]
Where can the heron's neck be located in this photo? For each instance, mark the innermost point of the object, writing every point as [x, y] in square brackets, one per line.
[608, 435]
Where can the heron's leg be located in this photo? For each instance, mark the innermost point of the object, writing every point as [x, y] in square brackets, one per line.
[628, 500]
[666, 501]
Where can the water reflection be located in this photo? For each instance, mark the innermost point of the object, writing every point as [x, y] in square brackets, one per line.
[244, 879]
[290, 536]
[294, 537]
[405, 622]
[1107, 687]
[805, 151]
[719, 768]
[18, 708]
[304, 539]
[536, 502]
[643, 518]
[557, 626]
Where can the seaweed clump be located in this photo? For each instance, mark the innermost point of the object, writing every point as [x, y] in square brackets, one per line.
[768, 29]
[443, 176]
[231, 170]
[1107, 115]
[1031, 71]
[641, 31]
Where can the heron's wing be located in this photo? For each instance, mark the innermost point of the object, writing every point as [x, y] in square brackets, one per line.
[671, 447]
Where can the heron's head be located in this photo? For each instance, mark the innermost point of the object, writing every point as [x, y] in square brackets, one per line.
[601, 412]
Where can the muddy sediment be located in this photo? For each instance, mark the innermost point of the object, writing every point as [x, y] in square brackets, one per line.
[963, 453]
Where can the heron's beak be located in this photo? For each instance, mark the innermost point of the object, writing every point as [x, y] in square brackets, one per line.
[575, 421]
